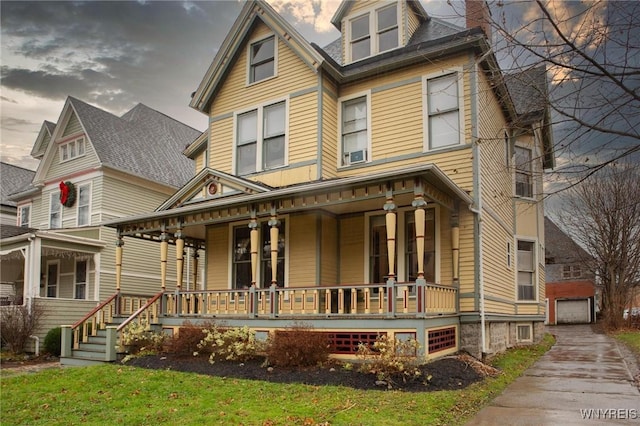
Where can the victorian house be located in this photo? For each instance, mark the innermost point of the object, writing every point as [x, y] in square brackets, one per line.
[388, 183]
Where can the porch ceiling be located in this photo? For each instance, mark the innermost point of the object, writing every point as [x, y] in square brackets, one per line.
[338, 196]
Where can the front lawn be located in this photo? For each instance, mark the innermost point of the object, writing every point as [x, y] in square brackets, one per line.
[116, 394]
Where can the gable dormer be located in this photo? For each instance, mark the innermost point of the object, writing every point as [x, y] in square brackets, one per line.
[376, 26]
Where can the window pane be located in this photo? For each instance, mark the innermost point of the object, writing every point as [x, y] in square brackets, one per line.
[54, 214]
[442, 93]
[274, 120]
[64, 152]
[81, 146]
[247, 127]
[360, 27]
[242, 257]
[360, 49]
[72, 149]
[523, 159]
[387, 18]
[262, 71]
[355, 142]
[378, 256]
[388, 40]
[444, 129]
[354, 115]
[273, 151]
[429, 247]
[24, 216]
[262, 51]
[246, 160]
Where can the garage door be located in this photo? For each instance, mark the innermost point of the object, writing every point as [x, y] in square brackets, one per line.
[573, 311]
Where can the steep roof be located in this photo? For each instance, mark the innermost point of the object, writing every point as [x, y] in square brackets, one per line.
[143, 142]
[14, 179]
[528, 90]
[560, 248]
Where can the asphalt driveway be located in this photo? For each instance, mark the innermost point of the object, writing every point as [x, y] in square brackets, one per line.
[582, 380]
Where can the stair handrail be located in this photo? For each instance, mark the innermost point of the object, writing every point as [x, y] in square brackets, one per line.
[93, 311]
[140, 310]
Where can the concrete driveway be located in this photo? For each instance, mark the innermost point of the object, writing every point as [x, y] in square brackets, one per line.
[582, 380]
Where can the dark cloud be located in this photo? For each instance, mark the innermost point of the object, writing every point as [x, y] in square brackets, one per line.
[10, 123]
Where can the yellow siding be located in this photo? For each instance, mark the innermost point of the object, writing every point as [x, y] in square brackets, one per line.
[329, 252]
[222, 144]
[527, 213]
[303, 128]
[352, 250]
[217, 257]
[446, 258]
[413, 22]
[499, 279]
[467, 259]
[200, 161]
[283, 177]
[329, 132]
[302, 250]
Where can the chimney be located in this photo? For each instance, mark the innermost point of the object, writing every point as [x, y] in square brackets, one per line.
[478, 15]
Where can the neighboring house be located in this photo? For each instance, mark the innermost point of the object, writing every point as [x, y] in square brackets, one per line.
[13, 178]
[57, 254]
[386, 184]
[570, 288]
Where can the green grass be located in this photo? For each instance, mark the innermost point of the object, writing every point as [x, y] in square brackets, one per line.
[114, 394]
[631, 338]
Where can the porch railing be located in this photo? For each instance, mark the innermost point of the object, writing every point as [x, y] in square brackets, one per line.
[416, 299]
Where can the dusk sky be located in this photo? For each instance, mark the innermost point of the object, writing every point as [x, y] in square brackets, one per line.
[117, 54]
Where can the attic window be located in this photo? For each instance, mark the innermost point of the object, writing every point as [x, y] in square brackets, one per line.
[384, 21]
[72, 149]
[262, 57]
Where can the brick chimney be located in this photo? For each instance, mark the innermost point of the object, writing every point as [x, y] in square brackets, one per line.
[478, 15]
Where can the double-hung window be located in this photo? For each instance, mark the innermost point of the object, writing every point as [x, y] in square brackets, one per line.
[84, 204]
[24, 216]
[526, 271]
[55, 211]
[387, 28]
[81, 279]
[355, 132]
[360, 38]
[384, 21]
[443, 111]
[262, 59]
[524, 179]
[72, 149]
[261, 135]
[241, 263]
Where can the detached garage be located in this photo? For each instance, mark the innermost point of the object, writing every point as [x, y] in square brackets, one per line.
[574, 311]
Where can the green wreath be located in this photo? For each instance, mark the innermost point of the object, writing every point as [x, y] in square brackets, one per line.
[67, 194]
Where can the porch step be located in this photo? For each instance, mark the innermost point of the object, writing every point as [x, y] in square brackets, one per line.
[76, 361]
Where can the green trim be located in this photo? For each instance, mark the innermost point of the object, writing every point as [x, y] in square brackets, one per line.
[500, 300]
[399, 158]
[330, 93]
[474, 317]
[220, 117]
[476, 179]
[303, 92]
[318, 249]
[396, 84]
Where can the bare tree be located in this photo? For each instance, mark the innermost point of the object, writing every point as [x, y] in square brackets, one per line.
[591, 51]
[603, 215]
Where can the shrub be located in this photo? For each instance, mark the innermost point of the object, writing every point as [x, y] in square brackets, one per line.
[297, 346]
[230, 344]
[391, 360]
[17, 324]
[137, 338]
[53, 341]
[185, 342]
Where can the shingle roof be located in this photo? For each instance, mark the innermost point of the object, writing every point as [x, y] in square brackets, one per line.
[8, 231]
[528, 90]
[559, 247]
[143, 142]
[14, 179]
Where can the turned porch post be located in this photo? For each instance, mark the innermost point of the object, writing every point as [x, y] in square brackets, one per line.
[390, 222]
[419, 214]
[164, 250]
[455, 244]
[195, 268]
[119, 245]
[253, 225]
[179, 257]
[273, 223]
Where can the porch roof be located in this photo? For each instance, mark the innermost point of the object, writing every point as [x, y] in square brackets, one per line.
[439, 188]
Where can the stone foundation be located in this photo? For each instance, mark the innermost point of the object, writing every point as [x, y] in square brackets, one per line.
[500, 336]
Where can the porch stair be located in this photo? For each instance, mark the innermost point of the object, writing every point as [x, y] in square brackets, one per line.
[93, 351]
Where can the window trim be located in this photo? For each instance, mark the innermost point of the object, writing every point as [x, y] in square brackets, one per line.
[426, 144]
[75, 279]
[529, 173]
[54, 200]
[260, 136]
[231, 227]
[534, 277]
[79, 187]
[374, 42]
[251, 43]
[22, 208]
[63, 147]
[528, 326]
[46, 283]
[341, 101]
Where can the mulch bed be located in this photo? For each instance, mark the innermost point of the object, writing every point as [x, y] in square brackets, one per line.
[447, 373]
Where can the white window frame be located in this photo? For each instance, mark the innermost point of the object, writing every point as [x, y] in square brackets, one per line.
[401, 243]
[528, 326]
[54, 201]
[21, 209]
[534, 272]
[529, 173]
[79, 206]
[275, 58]
[260, 135]
[509, 254]
[374, 42]
[75, 279]
[46, 284]
[231, 251]
[341, 153]
[77, 143]
[425, 108]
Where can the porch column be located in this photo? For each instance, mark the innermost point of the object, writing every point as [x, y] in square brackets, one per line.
[195, 268]
[455, 244]
[419, 214]
[273, 223]
[253, 225]
[119, 245]
[390, 220]
[164, 250]
[179, 257]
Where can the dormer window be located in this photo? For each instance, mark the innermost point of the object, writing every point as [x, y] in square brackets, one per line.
[262, 59]
[385, 22]
[72, 149]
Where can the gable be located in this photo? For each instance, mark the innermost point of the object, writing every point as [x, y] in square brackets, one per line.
[210, 184]
[43, 139]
